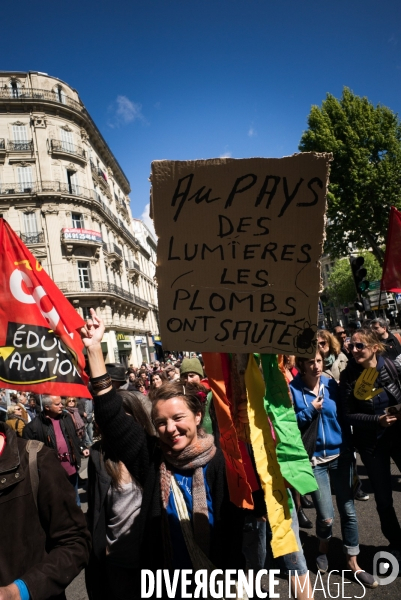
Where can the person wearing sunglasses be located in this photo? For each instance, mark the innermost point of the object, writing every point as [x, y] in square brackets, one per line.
[334, 360]
[341, 335]
[15, 419]
[368, 386]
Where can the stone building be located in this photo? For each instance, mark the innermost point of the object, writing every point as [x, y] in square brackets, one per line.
[64, 193]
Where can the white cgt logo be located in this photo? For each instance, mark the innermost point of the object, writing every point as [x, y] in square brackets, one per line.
[35, 295]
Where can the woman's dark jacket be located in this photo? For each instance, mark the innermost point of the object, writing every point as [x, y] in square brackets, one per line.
[363, 414]
[142, 457]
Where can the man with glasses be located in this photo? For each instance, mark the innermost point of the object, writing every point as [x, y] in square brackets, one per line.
[340, 333]
[393, 346]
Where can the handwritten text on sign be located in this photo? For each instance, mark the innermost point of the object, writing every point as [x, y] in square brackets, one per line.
[238, 253]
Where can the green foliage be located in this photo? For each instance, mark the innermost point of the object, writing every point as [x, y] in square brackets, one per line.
[365, 178]
[341, 287]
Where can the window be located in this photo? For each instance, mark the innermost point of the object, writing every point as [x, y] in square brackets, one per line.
[72, 181]
[78, 221]
[25, 183]
[84, 275]
[86, 312]
[20, 138]
[30, 223]
[60, 94]
[67, 140]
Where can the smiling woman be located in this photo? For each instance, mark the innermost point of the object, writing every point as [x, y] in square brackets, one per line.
[183, 467]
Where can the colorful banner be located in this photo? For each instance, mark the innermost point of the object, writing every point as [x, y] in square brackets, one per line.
[391, 278]
[275, 492]
[291, 454]
[239, 488]
[40, 347]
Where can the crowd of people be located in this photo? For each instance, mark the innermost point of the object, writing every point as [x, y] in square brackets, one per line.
[157, 487]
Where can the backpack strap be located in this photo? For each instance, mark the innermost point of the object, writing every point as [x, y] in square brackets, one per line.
[33, 447]
[391, 368]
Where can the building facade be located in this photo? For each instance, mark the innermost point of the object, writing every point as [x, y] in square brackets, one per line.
[64, 193]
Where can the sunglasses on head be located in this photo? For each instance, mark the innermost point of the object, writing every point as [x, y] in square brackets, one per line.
[357, 346]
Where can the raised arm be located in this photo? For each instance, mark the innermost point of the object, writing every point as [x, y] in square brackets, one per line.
[124, 436]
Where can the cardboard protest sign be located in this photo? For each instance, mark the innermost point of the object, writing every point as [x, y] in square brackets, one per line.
[238, 254]
[40, 346]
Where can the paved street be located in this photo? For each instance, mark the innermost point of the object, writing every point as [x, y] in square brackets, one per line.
[371, 541]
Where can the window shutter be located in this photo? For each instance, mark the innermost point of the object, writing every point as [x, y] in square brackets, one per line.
[19, 133]
[67, 140]
[30, 223]
[25, 179]
[74, 183]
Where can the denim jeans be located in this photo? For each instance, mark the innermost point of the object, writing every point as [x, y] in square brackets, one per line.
[340, 472]
[378, 467]
[254, 543]
[257, 550]
[89, 434]
[73, 479]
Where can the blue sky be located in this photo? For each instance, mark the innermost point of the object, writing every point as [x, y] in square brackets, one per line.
[175, 79]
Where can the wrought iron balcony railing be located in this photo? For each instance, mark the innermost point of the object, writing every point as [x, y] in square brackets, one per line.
[132, 264]
[100, 287]
[18, 188]
[66, 147]
[33, 238]
[113, 249]
[71, 189]
[20, 146]
[65, 188]
[35, 94]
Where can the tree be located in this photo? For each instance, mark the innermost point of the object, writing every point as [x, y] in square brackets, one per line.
[365, 178]
[341, 287]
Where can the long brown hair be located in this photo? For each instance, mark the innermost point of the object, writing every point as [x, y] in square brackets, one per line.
[132, 405]
[334, 344]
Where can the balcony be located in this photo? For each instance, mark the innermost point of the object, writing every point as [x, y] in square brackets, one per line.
[33, 238]
[100, 288]
[22, 94]
[60, 147]
[20, 146]
[114, 252]
[133, 270]
[18, 188]
[64, 188]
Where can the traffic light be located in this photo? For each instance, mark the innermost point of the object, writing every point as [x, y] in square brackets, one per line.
[359, 273]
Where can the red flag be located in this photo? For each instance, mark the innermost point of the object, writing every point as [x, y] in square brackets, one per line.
[40, 346]
[391, 278]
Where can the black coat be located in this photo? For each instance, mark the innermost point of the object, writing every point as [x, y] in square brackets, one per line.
[45, 546]
[393, 347]
[42, 429]
[361, 414]
[142, 457]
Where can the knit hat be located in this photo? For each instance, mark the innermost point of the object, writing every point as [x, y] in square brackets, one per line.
[116, 371]
[191, 365]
